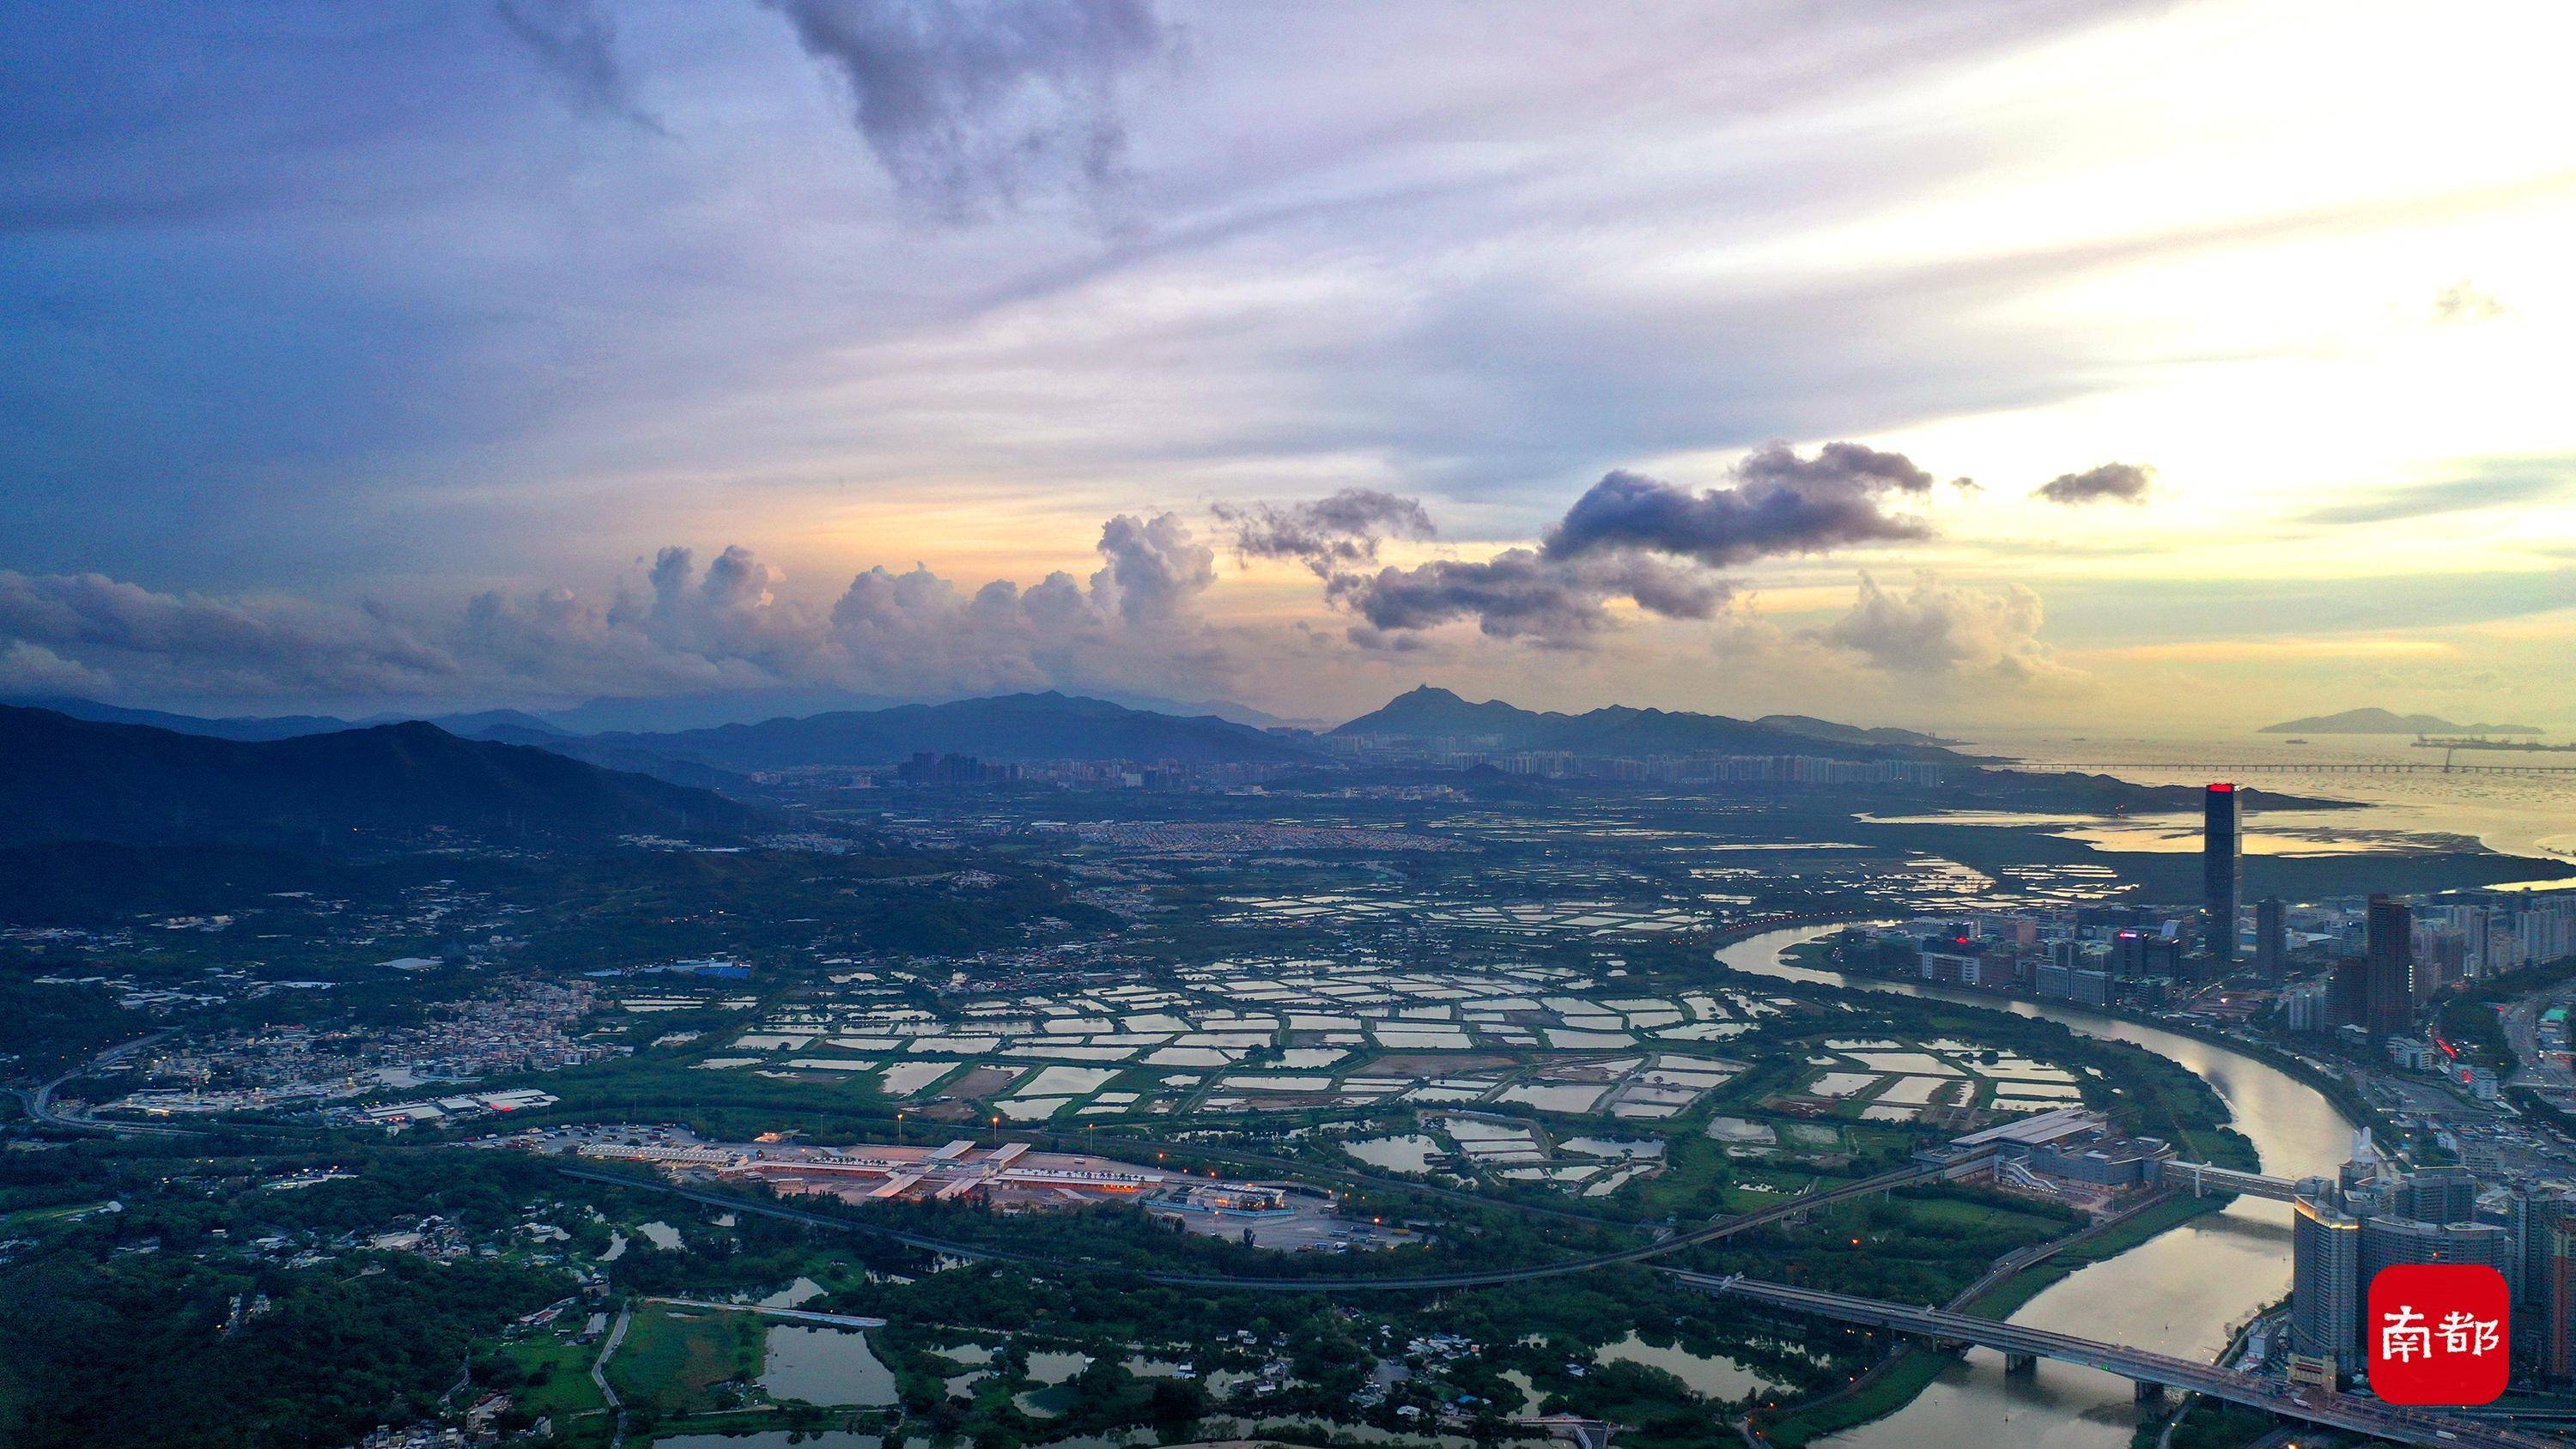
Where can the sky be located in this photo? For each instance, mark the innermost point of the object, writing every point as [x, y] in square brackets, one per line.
[2022, 363]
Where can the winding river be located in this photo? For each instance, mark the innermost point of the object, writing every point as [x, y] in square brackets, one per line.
[2180, 1293]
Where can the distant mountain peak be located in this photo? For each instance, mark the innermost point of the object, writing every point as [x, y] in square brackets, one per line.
[1429, 712]
[2371, 720]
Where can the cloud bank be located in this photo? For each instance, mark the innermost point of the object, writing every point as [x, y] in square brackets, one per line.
[1135, 624]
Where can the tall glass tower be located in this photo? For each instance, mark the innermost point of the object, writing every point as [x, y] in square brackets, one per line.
[2218, 868]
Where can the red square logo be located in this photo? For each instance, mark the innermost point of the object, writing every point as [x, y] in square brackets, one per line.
[2437, 1333]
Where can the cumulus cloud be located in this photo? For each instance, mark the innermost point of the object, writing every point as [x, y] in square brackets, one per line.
[1941, 631]
[726, 624]
[969, 104]
[1156, 570]
[1343, 529]
[2109, 483]
[576, 41]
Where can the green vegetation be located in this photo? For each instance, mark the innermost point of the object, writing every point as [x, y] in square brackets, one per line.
[134, 1351]
[45, 1028]
[549, 1376]
[205, 1221]
[676, 1361]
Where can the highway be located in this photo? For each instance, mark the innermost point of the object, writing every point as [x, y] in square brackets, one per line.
[2533, 1065]
[1708, 1233]
[2334, 1411]
[40, 1102]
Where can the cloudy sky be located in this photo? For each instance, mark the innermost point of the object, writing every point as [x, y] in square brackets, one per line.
[2005, 361]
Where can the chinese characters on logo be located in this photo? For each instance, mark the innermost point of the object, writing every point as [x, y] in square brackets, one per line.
[2438, 1334]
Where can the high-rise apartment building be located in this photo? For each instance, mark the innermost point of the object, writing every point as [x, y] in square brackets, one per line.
[2435, 1195]
[2271, 940]
[2325, 1278]
[2372, 1215]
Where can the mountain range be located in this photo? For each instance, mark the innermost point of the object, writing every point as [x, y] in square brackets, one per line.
[1047, 726]
[2382, 722]
[664, 714]
[1428, 713]
[272, 727]
[67, 778]
[1017, 727]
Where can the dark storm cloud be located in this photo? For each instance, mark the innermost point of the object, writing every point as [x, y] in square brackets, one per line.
[576, 40]
[1658, 545]
[1785, 504]
[966, 104]
[2110, 483]
[1522, 594]
[1326, 533]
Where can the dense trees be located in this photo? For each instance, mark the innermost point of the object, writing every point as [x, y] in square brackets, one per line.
[137, 1352]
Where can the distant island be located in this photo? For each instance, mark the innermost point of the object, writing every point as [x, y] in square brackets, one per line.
[2382, 722]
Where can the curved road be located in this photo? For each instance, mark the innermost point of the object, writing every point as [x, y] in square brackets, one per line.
[40, 1101]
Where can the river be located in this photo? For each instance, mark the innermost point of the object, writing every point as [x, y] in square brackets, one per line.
[2180, 1293]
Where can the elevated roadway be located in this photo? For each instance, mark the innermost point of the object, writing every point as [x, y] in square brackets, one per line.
[39, 1101]
[2153, 1372]
[2202, 1179]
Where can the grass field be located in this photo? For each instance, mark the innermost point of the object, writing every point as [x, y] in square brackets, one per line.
[28, 1217]
[672, 1360]
[566, 1389]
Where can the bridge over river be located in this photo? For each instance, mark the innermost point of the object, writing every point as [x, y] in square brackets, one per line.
[2153, 1373]
[2204, 1178]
